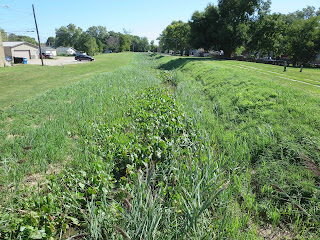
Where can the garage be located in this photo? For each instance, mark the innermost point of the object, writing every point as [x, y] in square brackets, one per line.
[22, 54]
[20, 50]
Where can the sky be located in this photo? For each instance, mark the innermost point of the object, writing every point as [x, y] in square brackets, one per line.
[144, 18]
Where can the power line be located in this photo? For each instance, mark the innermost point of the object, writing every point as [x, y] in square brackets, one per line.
[14, 10]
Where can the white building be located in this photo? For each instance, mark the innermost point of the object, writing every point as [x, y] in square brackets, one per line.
[66, 50]
[49, 50]
[21, 50]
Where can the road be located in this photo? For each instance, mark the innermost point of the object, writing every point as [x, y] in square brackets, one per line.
[57, 61]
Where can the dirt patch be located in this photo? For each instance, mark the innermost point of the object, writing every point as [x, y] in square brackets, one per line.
[269, 232]
[12, 136]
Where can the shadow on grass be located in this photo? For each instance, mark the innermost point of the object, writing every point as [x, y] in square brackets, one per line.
[180, 62]
[157, 56]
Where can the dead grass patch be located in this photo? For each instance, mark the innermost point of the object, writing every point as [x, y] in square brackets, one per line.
[12, 136]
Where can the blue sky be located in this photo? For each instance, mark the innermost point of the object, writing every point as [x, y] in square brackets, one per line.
[139, 17]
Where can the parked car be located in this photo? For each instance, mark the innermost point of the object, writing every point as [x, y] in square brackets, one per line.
[47, 55]
[84, 57]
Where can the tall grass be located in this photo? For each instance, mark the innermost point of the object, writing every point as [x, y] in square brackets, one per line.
[260, 126]
[112, 157]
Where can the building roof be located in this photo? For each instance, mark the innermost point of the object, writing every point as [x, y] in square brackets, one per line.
[48, 48]
[65, 48]
[11, 44]
[15, 44]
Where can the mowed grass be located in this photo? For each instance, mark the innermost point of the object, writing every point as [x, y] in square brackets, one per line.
[23, 82]
[307, 81]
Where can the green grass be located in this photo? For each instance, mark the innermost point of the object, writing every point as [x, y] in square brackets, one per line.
[261, 123]
[202, 152]
[23, 82]
[123, 160]
[271, 73]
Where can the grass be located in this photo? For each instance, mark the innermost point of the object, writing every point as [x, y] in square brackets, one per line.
[163, 148]
[83, 160]
[261, 123]
[292, 78]
[24, 82]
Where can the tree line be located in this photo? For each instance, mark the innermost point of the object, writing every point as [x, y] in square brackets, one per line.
[247, 27]
[11, 37]
[94, 40]
[97, 39]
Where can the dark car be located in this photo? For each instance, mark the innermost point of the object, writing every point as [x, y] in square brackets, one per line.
[84, 57]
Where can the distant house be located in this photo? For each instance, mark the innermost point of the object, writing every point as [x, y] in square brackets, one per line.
[66, 50]
[80, 53]
[21, 50]
[51, 50]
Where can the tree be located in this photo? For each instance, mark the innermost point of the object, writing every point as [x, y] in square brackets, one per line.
[224, 26]
[101, 46]
[153, 47]
[19, 38]
[98, 32]
[124, 42]
[267, 34]
[233, 22]
[303, 39]
[204, 28]
[306, 13]
[87, 44]
[101, 35]
[135, 40]
[68, 36]
[143, 45]
[50, 41]
[113, 41]
[4, 35]
[176, 36]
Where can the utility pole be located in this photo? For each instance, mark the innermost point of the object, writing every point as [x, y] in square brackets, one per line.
[2, 57]
[35, 21]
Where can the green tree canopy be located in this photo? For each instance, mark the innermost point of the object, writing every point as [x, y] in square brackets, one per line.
[19, 38]
[267, 34]
[87, 44]
[224, 26]
[50, 41]
[303, 39]
[4, 35]
[99, 33]
[68, 36]
[125, 42]
[176, 36]
[204, 28]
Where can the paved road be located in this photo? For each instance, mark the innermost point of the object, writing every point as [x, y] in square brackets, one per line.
[57, 61]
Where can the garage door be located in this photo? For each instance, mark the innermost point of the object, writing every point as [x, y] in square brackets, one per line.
[22, 53]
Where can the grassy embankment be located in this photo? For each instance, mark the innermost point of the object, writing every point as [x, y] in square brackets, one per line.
[23, 82]
[261, 119]
[110, 157]
[117, 157]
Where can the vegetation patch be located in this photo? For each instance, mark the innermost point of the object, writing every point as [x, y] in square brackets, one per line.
[261, 127]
